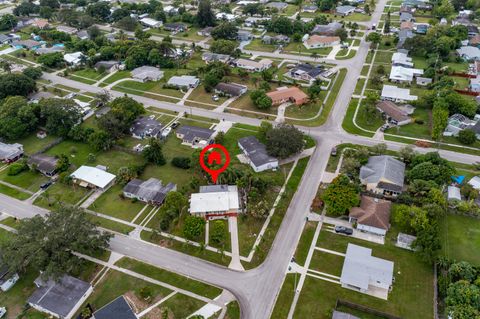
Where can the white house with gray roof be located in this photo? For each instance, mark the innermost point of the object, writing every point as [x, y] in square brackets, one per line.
[344, 10]
[257, 155]
[151, 191]
[383, 175]
[147, 73]
[10, 152]
[145, 127]
[367, 274]
[196, 137]
[184, 81]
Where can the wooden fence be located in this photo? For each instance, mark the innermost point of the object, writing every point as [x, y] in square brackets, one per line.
[341, 302]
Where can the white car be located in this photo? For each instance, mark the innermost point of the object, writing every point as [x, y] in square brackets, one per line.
[3, 311]
[166, 131]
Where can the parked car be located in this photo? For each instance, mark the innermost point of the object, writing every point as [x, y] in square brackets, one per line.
[46, 185]
[175, 125]
[333, 152]
[215, 98]
[166, 131]
[343, 230]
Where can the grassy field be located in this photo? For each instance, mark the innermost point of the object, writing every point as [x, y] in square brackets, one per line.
[112, 225]
[171, 278]
[460, 237]
[110, 203]
[12, 192]
[32, 144]
[347, 123]
[258, 45]
[28, 180]
[295, 47]
[304, 244]
[181, 306]
[60, 193]
[285, 297]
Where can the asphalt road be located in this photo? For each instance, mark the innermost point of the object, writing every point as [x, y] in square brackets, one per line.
[256, 290]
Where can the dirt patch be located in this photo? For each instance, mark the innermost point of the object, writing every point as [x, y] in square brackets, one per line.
[139, 304]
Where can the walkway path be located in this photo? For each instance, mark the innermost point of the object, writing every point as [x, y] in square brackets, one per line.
[233, 228]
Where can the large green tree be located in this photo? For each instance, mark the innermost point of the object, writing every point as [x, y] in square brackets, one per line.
[205, 16]
[48, 244]
[284, 140]
[59, 115]
[16, 84]
[153, 152]
[17, 118]
[340, 196]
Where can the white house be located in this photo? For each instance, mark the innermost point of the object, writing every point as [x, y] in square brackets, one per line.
[182, 81]
[151, 23]
[396, 94]
[256, 154]
[366, 274]
[215, 201]
[402, 74]
[475, 182]
[373, 215]
[93, 177]
[254, 66]
[73, 59]
[320, 41]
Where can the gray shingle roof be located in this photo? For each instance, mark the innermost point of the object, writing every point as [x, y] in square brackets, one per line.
[151, 190]
[44, 163]
[59, 297]
[256, 151]
[383, 167]
[146, 127]
[117, 309]
[190, 133]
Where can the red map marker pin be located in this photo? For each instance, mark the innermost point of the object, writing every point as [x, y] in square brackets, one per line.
[215, 157]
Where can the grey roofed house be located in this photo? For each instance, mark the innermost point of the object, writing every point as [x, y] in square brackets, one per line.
[277, 5]
[45, 164]
[59, 298]
[365, 273]
[306, 72]
[177, 27]
[327, 29]
[29, 44]
[145, 126]
[4, 38]
[150, 191]
[214, 57]
[344, 10]
[188, 81]
[403, 35]
[107, 65]
[280, 38]
[10, 152]
[469, 53]
[102, 111]
[257, 154]
[405, 241]
[116, 309]
[191, 133]
[341, 315]
[472, 30]
[37, 96]
[406, 16]
[53, 49]
[244, 35]
[393, 112]
[383, 174]
[231, 89]
[310, 8]
[83, 35]
[147, 73]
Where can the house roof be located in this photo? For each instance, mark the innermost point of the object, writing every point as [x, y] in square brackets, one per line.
[345, 9]
[343, 315]
[401, 73]
[147, 72]
[256, 151]
[174, 26]
[190, 133]
[402, 58]
[93, 175]
[361, 269]
[383, 168]
[66, 29]
[50, 50]
[118, 309]
[372, 212]
[218, 200]
[327, 28]
[40, 23]
[59, 297]
[10, 150]
[277, 5]
[27, 43]
[453, 192]
[475, 182]
[405, 238]
[209, 56]
[253, 63]
[233, 89]
[287, 93]
[393, 111]
[321, 39]
[150, 22]
[183, 80]
[469, 52]
[149, 190]
[43, 162]
[406, 25]
[393, 92]
[146, 126]
[106, 64]
[311, 70]
[72, 57]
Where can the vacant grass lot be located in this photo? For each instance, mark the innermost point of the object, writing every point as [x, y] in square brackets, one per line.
[110, 203]
[304, 244]
[412, 294]
[285, 297]
[170, 278]
[32, 144]
[347, 123]
[326, 262]
[460, 238]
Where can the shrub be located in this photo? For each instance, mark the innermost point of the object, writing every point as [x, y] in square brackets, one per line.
[16, 168]
[419, 121]
[181, 162]
[467, 137]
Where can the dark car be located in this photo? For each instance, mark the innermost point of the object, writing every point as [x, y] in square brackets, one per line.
[333, 152]
[46, 185]
[175, 125]
[343, 230]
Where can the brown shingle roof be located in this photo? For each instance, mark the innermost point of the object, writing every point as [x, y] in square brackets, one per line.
[372, 212]
[392, 110]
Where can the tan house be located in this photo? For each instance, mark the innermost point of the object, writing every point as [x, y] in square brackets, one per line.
[284, 94]
[318, 41]
[254, 66]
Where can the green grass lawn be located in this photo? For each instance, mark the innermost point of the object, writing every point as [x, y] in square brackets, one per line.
[412, 293]
[200, 95]
[460, 237]
[12, 192]
[415, 129]
[17, 296]
[326, 262]
[383, 57]
[110, 224]
[359, 86]
[458, 66]
[365, 69]
[117, 76]
[82, 80]
[347, 123]
[90, 74]
[285, 297]
[32, 144]
[304, 244]
[258, 45]
[181, 306]
[369, 121]
[110, 203]
[10, 221]
[295, 47]
[171, 278]
[60, 193]
[115, 284]
[28, 180]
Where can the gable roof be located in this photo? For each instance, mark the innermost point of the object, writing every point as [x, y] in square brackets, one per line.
[327, 28]
[191, 132]
[147, 72]
[44, 163]
[150, 190]
[118, 309]
[233, 89]
[393, 111]
[256, 151]
[312, 71]
[321, 39]
[372, 212]
[215, 200]
[383, 168]
[146, 126]
[59, 297]
[8, 151]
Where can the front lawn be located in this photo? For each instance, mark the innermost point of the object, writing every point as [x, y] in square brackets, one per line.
[181, 306]
[295, 47]
[32, 144]
[202, 96]
[258, 45]
[110, 203]
[28, 179]
[59, 193]
[12, 192]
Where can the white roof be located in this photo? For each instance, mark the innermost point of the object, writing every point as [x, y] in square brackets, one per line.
[150, 22]
[469, 52]
[475, 182]
[72, 57]
[184, 80]
[226, 16]
[93, 175]
[215, 201]
[402, 58]
[401, 73]
[454, 193]
[393, 92]
[361, 269]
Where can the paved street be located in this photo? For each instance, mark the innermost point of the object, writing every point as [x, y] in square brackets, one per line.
[256, 290]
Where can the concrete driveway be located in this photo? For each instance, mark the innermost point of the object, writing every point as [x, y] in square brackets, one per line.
[356, 233]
